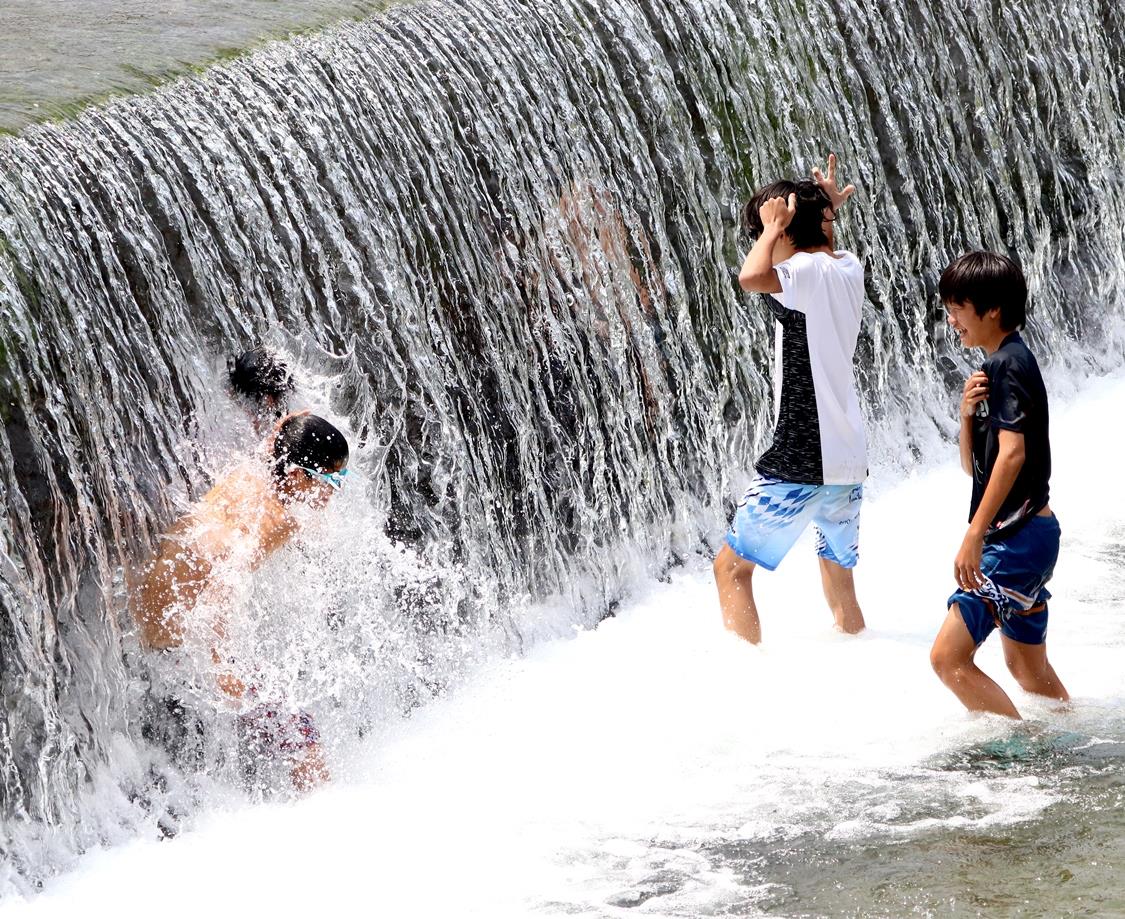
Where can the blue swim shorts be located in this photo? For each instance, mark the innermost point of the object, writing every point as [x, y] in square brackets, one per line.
[774, 513]
[1014, 596]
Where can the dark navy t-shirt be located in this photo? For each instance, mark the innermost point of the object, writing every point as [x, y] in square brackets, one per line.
[1017, 401]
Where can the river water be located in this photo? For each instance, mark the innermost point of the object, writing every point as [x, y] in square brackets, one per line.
[496, 240]
[58, 55]
[657, 766]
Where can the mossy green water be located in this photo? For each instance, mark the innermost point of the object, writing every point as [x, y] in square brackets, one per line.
[53, 69]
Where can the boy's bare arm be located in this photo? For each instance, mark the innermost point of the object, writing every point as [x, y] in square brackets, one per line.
[277, 528]
[965, 440]
[1009, 462]
[758, 274]
[975, 392]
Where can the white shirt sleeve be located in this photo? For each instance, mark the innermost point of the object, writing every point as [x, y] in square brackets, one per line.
[796, 275]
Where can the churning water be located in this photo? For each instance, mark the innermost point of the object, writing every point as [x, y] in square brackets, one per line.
[659, 766]
[497, 240]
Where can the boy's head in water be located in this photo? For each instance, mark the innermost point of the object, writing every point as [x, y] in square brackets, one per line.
[262, 378]
[810, 227]
[310, 459]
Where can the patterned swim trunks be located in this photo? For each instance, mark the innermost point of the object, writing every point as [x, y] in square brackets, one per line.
[774, 513]
[1014, 595]
[271, 729]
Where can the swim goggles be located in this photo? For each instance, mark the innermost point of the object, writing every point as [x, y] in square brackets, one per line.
[335, 479]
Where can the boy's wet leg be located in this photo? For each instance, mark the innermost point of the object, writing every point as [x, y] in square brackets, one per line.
[733, 577]
[309, 770]
[952, 659]
[1029, 665]
[839, 591]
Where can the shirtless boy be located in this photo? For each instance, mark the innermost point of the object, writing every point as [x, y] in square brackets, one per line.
[237, 525]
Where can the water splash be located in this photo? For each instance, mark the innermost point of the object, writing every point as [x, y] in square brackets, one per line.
[497, 239]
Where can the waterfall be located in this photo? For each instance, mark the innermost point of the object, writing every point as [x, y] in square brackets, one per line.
[498, 240]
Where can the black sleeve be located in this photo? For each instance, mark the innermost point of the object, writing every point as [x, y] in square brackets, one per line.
[1009, 403]
[777, 309]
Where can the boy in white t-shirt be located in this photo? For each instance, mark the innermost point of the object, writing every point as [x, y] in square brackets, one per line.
[814, 470]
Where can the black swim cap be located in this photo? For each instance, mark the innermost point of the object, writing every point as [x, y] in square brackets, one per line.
[309, 441]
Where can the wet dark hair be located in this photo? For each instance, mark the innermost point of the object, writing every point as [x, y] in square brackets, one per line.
[260, 374]
[989, 281]
[804, 230]
[310, 441]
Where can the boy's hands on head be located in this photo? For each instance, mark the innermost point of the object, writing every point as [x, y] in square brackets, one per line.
[975, 392]
[758, 274]
[777, 213]
[828, 184]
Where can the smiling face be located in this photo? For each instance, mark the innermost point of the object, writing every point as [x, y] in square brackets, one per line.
[973, 330]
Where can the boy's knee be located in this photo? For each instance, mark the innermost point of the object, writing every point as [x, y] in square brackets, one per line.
[946, 662]
[728, 565]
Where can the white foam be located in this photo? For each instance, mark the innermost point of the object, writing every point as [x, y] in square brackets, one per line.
[570, 779]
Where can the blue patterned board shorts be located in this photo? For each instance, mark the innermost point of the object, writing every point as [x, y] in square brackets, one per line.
[774, 513]
[1014, 596]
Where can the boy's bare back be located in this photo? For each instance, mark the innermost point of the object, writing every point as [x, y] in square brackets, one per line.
[232, 530]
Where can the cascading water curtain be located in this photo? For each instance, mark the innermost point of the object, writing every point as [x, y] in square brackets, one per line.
[498, 239]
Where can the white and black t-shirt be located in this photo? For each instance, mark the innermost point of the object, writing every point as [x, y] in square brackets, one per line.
[819, 437]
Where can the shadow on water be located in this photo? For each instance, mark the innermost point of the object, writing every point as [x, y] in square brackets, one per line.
[1036, 750]
[1030, 824]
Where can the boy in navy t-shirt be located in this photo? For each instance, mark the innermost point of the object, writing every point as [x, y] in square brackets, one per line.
[1009, 552]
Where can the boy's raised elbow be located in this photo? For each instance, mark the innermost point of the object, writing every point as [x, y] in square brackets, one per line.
[754, 283]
